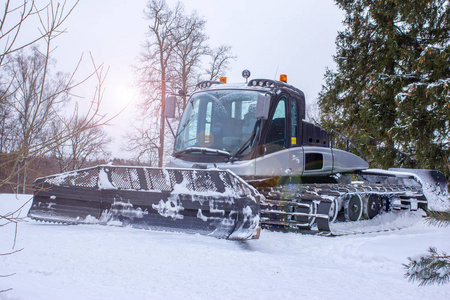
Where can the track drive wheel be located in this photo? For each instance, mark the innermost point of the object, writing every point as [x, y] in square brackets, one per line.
[374, 205]
[334, 210]
[353, 208]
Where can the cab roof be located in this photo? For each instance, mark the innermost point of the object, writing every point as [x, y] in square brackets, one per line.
[267, 85]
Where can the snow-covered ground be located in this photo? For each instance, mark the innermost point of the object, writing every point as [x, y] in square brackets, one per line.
[105, 262]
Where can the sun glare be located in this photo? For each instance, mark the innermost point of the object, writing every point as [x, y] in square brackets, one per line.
[126, 94]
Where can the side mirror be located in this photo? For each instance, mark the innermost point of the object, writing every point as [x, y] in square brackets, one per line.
[169, 109]
[262, 106]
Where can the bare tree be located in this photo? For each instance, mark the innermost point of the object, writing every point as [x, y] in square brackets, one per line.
[33, 101]
[174, 38]
[186, 61]
[19, 15]
[170, 61]
[7, 132]
[144, 142]
[221, 58]
[30, 95]
[81, 147]
[165, 25]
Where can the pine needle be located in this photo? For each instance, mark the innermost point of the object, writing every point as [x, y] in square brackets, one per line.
[433, 268]
[438, 218]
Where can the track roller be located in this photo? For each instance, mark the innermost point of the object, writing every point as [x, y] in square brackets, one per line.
[353, 207]
[374, 206]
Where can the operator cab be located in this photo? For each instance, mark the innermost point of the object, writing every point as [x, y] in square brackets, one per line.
[255, 129]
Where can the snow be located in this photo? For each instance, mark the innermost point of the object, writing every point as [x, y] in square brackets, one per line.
[107, 262]
[103, 180]
[170, 208]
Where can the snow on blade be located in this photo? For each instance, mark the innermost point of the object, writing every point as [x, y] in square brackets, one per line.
[170, 208]
[126, 209]
[103, 181]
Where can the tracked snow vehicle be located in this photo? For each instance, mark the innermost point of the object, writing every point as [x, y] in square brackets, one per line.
[243, 156]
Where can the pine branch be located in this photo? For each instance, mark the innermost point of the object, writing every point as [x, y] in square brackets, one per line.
[429, 269]
[438, 218]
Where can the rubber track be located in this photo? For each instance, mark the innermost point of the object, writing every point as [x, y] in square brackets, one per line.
[279, 212]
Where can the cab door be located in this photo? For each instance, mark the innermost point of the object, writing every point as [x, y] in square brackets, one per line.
[275, 160]
[296, 153]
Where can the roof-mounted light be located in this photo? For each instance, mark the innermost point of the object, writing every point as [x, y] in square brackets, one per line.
[283, 78]
[246, 75]
[207, 84]
[262, 83]
[223, 79]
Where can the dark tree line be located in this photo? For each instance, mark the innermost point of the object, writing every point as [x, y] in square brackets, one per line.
[391, 95]
[391, 90]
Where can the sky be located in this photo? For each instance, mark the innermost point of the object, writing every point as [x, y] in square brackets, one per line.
[269, 38]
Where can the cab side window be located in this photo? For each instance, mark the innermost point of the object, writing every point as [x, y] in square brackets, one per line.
[294, 123]
[276, 134]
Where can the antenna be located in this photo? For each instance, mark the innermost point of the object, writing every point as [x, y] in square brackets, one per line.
[276, 72]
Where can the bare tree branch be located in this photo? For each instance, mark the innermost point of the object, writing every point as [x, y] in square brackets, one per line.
[169, 61]
[221, 58]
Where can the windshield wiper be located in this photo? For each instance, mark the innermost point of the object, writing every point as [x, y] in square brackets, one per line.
[202, 150]
[247, 143]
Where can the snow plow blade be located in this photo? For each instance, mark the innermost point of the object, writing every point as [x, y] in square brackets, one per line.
[210, 202]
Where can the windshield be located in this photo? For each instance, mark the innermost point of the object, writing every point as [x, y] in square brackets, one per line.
[222, 120]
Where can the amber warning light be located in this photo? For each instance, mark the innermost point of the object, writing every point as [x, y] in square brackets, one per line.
[223, 79]
[283, 78]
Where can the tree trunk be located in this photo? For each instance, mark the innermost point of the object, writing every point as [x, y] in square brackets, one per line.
[163, 106]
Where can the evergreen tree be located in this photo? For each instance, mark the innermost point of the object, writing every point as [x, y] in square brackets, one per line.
[391, 90]
[434, 267]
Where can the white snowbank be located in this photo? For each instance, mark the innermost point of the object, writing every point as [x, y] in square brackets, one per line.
[105, 262]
